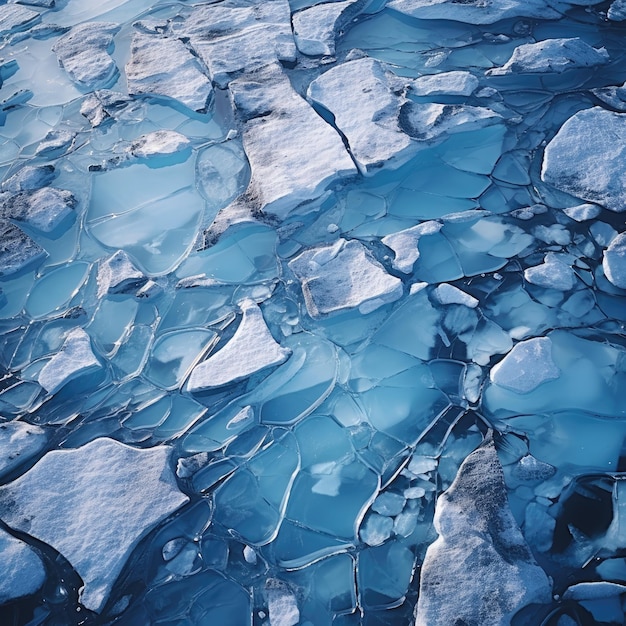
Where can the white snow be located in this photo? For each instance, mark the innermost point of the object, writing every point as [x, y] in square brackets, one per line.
[19, 441]
[293, 153]
[43, 209]
[30, 177]
[343, 276]
[14, 17]
[528, 365]
[551, 55]
[316, 28]
[162, 66]
[455, 83]
[83, 54]
[364, 99]
[93, 504]
[553, 273]
[449, 294]
[159, 143]
[251, 349]
[585, 158]
[593, 591]
[74, 359]
[23, 572]
[281, 603]
[18, 250]
[583, 212]
[405, 244]
[118, 274]
[480, 570]
[614, 261]
[474, 11]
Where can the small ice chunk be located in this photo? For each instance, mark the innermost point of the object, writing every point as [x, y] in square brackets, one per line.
[614, 261]
[551, 55]
[583, 212]
[455, 83]
[594, 591]
[281, 604]
[159, 143]
[617, 11]
[422, 464]
[315, 28]
[18, 442]
[405, 244]
[29, 178]
[553, 273]
[376, 530]
[251, 349]
[343, 276]
[83, 54]
[389, 503]
[15, 18]
[74, 359]
[528, 365]
[56, 143]
[161, 66]
[90, 505]
[102, 105]
[43, 209]
[249, 555]
[430, 122]
[17, 249]
[585, 158]
[23, 572]
[449, 294]
[480, 554]
[117, 274]
[366, 102]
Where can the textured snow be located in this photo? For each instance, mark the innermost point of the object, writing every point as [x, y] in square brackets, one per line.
[362, 96]
[552, 55]
[480, 570]
[162, 66]
[75, 358]
[251, 349]
[19, 441]
[405, 244]
[282, 604]
[554, 273]
[585, 158]
[23, 572]
[17, 250]
[449, 294]
[456, 83]
[93, 504]
[14, 17]
[614, 261]
[83, 54]
[117, 274]
[343, 276]
[159, 143]
[528, 365]
[43, 209]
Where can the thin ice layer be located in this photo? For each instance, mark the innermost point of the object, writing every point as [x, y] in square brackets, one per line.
[93, 504]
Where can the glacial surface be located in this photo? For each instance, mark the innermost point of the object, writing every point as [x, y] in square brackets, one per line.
[312, 313]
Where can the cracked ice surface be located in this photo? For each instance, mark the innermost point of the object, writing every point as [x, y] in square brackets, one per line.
[312, 312]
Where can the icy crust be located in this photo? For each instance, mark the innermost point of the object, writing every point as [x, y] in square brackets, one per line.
[552, 55]
[240, 35]
[294, 155]
[162, 66]
[23, 571]
[83, 54]
[480, 570]
[585, 158]
[19, 441]
[614, 261]
[251, 349]
[93, 504]
[75, 358]
[343, 276]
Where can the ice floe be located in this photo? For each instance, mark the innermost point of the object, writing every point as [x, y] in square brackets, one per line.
[23, 572]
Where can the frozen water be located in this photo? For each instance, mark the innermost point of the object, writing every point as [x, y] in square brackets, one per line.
[480, 548]
[309, 254]
[62, 501]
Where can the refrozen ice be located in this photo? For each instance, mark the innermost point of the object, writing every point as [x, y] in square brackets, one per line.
[23, 572]
[343, 276]
[93, 504]
[84, 54]
[552, 55]
[480, 569]
[528, 365]
[75, 358]
[614, 261]
[584, 158]
[251, 349]
[164, 66]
